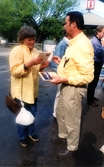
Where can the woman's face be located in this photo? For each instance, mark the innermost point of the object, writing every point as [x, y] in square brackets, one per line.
[29, 42]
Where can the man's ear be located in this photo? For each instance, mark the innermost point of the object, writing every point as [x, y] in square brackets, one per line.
[73, 24]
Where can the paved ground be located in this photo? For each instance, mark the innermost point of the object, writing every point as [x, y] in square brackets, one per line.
[43, 153]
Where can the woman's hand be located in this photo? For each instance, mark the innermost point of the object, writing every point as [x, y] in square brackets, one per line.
[34, 61]
[44, 65]
[37, 60]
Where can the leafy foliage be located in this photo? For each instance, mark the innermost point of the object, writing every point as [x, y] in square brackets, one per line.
[45, 16]
[51, 28]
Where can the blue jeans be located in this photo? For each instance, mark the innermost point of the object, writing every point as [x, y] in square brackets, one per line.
[24, 131]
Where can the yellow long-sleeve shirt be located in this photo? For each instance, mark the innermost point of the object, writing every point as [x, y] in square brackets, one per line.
[78, 62]
[24, 84]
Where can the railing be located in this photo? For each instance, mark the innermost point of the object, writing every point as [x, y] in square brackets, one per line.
[37, 45]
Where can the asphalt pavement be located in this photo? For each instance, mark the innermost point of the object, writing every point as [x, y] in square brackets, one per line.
[44, 152]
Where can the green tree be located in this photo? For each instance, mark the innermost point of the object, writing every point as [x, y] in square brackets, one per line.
[45, 16]
[51, 28]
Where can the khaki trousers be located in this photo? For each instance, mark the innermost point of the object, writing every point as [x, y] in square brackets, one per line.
[68, 113]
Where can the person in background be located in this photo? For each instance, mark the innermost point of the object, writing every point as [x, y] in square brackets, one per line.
[24, 67]
[98, 46]
[75, 71]
[59, 51]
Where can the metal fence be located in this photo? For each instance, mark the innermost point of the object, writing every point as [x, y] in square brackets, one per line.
[38, 46]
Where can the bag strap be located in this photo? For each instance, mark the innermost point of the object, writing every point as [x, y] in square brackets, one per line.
[22, 76]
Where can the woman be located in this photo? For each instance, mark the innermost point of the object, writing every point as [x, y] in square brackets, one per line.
[24, 67]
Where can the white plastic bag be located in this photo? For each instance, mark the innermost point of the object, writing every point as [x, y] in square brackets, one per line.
[24, 117]
[102, 149]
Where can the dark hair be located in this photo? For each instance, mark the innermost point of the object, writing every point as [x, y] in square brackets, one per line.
[98, 29]
[26, 32]
[77, 17]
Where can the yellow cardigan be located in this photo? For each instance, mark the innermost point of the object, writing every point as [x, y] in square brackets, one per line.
[24, 84]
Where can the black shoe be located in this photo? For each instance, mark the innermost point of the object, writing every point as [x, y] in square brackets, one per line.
[93, 104]
[23, 142]
[58, 139]
[65, 153]
[34, 138]
[55, 119]
[96, 99]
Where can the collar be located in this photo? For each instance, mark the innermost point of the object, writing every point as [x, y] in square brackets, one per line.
[66, 40]
[26, 47]
[73, 40]
[98, 39]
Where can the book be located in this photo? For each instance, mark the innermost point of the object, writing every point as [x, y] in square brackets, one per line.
[47, 76]
[45, 56]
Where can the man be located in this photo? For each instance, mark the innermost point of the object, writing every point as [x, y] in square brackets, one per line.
[98, 46]
[59, 51]
[75, 71]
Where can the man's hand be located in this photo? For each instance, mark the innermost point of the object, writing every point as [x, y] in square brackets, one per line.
[57, 80]
[102, 42]
[56, 59]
